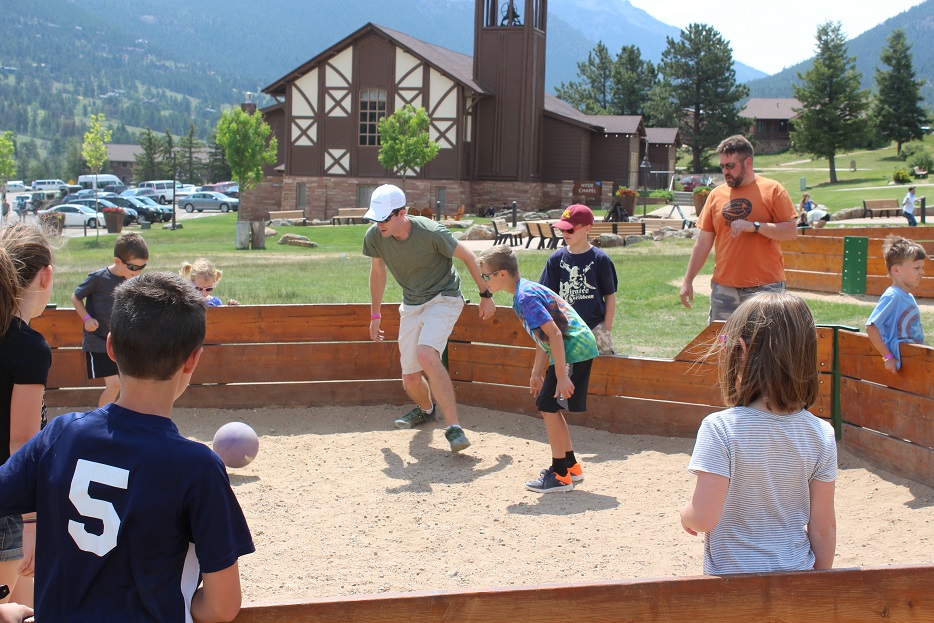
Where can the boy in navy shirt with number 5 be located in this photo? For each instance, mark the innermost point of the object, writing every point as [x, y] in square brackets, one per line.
[130, 514]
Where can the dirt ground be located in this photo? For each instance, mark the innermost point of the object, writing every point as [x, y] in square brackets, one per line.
[340, 503]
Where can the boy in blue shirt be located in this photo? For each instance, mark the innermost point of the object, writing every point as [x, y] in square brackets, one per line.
[896, 318]
[131, 515]
[565, 343]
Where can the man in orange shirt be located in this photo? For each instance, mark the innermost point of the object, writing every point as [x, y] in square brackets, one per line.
[743, 221]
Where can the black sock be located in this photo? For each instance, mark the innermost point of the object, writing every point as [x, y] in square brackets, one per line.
[559, 467]
[569, 459]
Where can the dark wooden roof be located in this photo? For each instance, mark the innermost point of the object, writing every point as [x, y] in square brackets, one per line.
[619, 124]
[663, 136]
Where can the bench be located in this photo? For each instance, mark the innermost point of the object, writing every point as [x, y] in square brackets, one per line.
[503, 233]
[294, 215]
[548, 237]
[620, 229]
[871, 206]
[348, 216]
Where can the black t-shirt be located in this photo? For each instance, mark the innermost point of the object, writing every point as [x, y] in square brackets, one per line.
[25, 359]
[97, 292]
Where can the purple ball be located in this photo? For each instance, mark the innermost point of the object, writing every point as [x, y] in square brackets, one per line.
[236, 443]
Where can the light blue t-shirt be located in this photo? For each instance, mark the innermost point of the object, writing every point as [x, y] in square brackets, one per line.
[535, 305]
[898, 319]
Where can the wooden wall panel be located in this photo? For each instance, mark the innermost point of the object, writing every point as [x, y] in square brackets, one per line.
[897, 594]
[902, 458]
[860, 360]
[818, 282]
[890, 411]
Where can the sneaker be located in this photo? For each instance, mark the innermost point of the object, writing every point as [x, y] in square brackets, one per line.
[415, 417]
[549, 482]
[576, 472]
[456, 437]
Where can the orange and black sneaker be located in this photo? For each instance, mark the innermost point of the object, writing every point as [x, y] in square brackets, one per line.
[549, 481]
[576, 472]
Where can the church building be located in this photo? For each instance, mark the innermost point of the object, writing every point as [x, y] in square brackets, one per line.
[501, 137]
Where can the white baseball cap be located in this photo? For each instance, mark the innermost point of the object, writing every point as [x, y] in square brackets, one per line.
[385, 199]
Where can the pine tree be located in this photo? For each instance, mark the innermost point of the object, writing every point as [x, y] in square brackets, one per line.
[697, 73]
[594, 92]
[897, 113]
[832, 115]
[148, 163]
[188, 148]
[633, 78]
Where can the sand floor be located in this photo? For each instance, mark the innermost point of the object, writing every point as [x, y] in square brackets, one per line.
[340, 503]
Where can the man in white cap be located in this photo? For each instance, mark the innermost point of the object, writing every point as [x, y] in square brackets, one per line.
[419, 253]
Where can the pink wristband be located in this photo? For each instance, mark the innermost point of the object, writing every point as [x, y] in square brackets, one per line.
[375, 316]
[86, 317]
[889, 356]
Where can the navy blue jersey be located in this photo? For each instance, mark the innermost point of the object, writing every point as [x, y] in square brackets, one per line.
[97, 292]
[581, 279]
[129, 514]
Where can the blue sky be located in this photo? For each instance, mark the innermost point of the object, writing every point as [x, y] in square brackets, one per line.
[776, 34]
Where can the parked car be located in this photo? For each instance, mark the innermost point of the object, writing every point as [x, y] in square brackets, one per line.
[140, 192]
[115, 188]
[232, 191]
[132, 216]
[76, 215]
[165, 212]
[202, 201]
[690, 182]
[15, 186]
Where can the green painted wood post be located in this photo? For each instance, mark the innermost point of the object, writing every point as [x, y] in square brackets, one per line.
[855, 252]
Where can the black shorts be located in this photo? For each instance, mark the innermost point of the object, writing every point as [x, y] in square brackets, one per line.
[580, 376]
[99, 365]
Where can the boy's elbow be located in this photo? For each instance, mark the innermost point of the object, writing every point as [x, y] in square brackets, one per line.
[228, 611]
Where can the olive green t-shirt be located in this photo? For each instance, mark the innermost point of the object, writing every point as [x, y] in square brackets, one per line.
[422, 263]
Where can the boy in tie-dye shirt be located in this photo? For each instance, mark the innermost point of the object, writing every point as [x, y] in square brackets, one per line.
[564, 344]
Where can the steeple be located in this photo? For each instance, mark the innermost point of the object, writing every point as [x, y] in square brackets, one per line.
[509, 61]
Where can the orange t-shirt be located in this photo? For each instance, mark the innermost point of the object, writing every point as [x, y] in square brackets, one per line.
[751, 259]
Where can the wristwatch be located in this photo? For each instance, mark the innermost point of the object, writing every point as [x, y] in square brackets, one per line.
[486, 294]
[756, 223]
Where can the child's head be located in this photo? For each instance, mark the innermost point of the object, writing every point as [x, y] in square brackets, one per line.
[24, 253]
[496, 261]
[157, 322]
[769, 350]
[130, 254]
[203, 274]
[898, 250]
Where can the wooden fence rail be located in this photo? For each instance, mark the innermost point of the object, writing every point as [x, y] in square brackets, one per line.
[892, 594]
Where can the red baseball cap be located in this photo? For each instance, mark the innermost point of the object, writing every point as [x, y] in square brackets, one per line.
[576, 215]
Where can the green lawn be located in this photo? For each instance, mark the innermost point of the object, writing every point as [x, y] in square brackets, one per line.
[650, 320]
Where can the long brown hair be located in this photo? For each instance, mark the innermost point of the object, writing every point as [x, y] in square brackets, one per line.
[24, 251]
[769, 349]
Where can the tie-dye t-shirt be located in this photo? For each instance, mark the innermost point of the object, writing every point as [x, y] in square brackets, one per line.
[535, 305]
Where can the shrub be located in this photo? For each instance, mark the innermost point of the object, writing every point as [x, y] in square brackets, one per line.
[702, 190]
[901, 176]
[663, 194]
[921, 159]
[910, 149]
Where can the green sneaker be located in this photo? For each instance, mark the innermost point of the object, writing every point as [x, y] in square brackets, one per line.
[456, 437]
[416, 417]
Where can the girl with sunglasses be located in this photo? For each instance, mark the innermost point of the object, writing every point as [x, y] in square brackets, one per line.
[204, 276]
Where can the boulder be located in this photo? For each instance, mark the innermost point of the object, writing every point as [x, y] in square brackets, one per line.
[847, 213]
[479, 232]
[297, 241]
[605, 241]
[634, 239]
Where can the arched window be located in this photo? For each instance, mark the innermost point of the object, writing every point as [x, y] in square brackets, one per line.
[372, 109]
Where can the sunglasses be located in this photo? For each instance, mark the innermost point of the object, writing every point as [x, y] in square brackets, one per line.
[134, 267]
[486, 276]
[568, 231]
[200, 289]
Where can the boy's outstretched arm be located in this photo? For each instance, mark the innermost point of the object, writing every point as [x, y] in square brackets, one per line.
[218, 599]
[822, 526]
[703, 512]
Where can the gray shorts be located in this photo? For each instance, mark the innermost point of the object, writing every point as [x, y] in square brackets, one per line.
[11, 538]
[724, 300]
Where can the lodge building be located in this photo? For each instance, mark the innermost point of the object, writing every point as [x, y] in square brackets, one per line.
[502, 138]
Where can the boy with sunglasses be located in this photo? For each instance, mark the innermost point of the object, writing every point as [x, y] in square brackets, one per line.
[584, 276]
[564, 351]
[94, 301]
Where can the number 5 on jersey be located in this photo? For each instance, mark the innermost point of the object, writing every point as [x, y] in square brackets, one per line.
[87, 472]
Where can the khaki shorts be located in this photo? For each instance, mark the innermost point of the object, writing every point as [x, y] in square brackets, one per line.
[429, 324]
[724, 300]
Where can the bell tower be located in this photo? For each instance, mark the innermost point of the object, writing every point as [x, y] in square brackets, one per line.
[509, 62]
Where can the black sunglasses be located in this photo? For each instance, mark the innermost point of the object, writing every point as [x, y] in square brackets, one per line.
[200, 289]
[486, 276]
[134, 267]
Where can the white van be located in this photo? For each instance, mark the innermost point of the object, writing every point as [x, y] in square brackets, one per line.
[15, 186]
[104, 179]
[165, 189]
[47, 184]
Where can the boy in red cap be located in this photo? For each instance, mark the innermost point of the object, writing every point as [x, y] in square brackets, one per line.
[584, 276]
